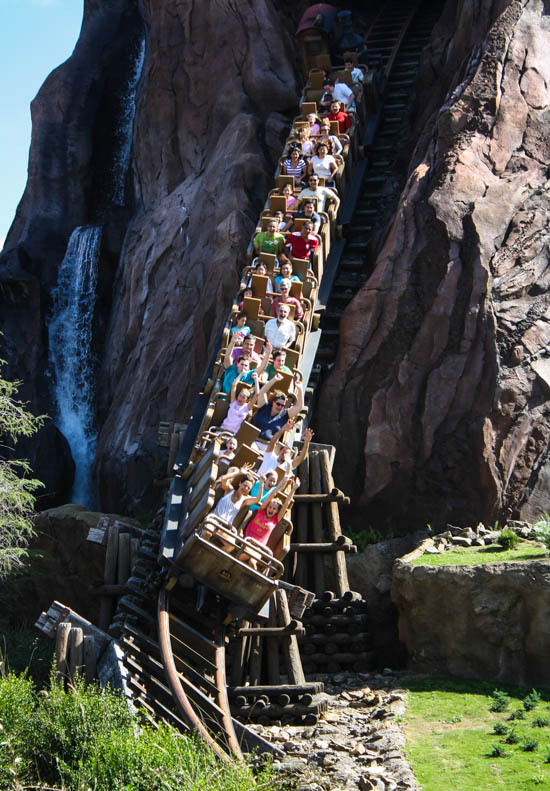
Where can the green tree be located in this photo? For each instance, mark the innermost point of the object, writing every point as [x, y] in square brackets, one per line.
[16, 489]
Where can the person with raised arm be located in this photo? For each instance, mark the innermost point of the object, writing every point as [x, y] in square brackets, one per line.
[273, 414]
[243, 365]
[266, 518]
[241, 404]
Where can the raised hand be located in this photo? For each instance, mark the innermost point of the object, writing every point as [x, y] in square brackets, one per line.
[308, 434]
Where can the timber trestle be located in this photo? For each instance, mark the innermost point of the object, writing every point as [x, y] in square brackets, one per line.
[190, 656]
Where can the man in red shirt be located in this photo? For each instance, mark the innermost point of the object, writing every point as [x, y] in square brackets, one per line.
[303, 243]
[344, 121]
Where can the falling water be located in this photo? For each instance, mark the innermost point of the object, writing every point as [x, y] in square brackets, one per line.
[125, 119]
[71, 354]
[70, 329]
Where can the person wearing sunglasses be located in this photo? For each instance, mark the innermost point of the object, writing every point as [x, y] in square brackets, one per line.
[273, 412]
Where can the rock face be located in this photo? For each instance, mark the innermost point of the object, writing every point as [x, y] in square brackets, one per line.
[441, 383]
[488, 621]
[370, 573]
[208, 131]
[69, 184]
[64, 566]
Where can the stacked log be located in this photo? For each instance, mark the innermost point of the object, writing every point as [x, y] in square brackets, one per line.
[337, 636]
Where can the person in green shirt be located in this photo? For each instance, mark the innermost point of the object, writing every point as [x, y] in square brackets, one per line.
[277, 366]
[270, 241]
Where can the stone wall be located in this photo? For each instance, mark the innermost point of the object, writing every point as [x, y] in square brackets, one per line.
[490, 622]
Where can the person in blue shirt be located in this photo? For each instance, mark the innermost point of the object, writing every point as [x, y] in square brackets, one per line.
[271, 481]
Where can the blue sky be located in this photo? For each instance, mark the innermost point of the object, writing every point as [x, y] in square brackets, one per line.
[36, 36]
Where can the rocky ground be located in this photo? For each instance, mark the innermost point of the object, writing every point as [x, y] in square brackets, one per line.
[358, 744]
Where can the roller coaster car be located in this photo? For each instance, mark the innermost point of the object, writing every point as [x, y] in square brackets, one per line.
[240, 569]
[316, 34]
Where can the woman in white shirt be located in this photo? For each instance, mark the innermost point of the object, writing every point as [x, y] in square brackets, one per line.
[323, 164]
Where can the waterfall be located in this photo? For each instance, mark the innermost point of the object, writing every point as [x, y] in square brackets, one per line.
[121, 157]
[70, 331]
[71, 354]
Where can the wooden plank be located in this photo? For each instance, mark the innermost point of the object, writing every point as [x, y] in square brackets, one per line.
[76, 652]
[109, 577]
[334, 530]
[301, 576]
[317, 523]
[61, 650]
[290, 645]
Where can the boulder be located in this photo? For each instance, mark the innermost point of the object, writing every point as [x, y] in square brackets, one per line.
[489, 622]
[440, 417]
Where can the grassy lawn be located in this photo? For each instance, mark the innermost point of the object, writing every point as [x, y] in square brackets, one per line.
[451, 739]
[476, 556]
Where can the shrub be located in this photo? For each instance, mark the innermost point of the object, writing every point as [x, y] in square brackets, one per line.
[501, 700]
[531, 700]
[541, 722]
[87, 738]
[500, 729]
[518, 714]
[542, 528]
[512, 737]
[508, 539]
[529, 745]
[498, 751]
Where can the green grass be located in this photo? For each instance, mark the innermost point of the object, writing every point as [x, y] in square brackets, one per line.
[86, 739]
[477, 556]
[451, 732]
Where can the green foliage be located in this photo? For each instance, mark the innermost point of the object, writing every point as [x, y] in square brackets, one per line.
[541, 722]
[531, 700]
[542, 528]
[498, 751]
[363, 538]
[501, 701]
[512, 737]
[518, 714]
[529, 745]
[87, 738]
[16, 490]
[464, 749]
[507, 539]
[477, 556]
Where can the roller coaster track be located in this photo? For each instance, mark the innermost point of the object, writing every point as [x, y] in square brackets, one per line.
[174, 658]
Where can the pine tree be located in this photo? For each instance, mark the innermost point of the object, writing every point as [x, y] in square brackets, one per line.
[16, 489]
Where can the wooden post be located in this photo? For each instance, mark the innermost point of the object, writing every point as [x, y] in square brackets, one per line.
[76, 640]
[255, 664]
[290, 644]
[334, 529]
[89, 654]
[61, 649]
[317, 524]
[123, 560]
[134, 549]
[273, 669]
[301, 527]
[238, 659]
[109, 577]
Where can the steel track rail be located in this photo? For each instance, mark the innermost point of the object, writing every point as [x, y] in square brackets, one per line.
[194, 705]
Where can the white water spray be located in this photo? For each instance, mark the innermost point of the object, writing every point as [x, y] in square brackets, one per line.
[71, 354]
[127, 112]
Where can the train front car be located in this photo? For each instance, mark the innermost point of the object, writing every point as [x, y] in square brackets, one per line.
[316, 35]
